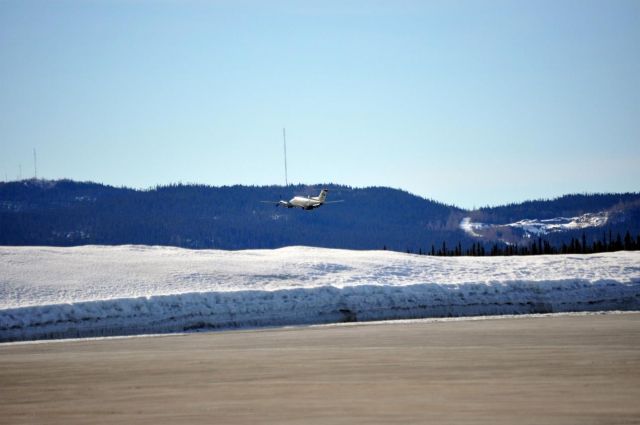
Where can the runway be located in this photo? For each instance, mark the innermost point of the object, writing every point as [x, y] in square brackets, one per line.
[581, 369]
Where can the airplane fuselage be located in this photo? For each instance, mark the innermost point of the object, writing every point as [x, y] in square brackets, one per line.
[305, 203]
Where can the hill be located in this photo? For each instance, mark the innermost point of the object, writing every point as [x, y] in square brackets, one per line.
[68, 213]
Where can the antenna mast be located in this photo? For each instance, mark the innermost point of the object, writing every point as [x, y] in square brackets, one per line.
[284, 137]
[35, 165]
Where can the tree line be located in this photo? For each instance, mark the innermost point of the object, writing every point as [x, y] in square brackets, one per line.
[538, 246]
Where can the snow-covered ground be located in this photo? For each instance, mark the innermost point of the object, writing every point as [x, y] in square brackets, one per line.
[536, 227]
[48, 292]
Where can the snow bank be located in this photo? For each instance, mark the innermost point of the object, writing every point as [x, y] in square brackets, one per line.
[100, 291]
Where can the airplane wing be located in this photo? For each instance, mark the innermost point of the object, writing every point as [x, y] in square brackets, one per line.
[277, 203]
[333, 202]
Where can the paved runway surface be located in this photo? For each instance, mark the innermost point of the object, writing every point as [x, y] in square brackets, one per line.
[552, 370]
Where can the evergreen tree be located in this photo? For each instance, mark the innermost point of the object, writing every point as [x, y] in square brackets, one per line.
[610, 246]
[628, 241]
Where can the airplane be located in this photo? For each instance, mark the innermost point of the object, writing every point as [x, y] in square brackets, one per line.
[305, 202]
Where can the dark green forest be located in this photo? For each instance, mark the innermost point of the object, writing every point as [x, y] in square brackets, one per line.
[68, 213]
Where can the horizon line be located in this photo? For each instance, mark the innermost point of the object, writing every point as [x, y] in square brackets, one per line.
[180, 183]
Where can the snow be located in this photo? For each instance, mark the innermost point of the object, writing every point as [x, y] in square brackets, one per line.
[538, 227]
[470, 227]
[542, 227]
[48, 292]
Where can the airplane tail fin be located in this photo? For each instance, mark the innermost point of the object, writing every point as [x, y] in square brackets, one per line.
[323, 195]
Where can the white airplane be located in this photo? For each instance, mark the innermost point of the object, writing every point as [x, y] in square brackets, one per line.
[305, 202]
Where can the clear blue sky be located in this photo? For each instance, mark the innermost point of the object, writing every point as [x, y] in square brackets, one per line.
[466, 102]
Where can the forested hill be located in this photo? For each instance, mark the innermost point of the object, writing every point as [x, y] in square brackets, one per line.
[564, 206]
[65, 213]
[195, 216]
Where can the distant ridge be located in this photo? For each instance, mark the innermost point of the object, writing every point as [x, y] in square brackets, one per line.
[68, 213]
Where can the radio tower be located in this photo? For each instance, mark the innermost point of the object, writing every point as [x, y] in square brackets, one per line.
[284, 138]
[35, 165]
